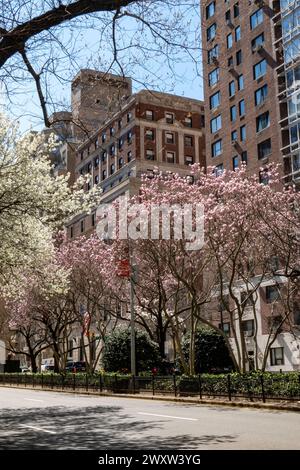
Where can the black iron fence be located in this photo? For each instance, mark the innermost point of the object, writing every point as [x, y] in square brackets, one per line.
[253, 387]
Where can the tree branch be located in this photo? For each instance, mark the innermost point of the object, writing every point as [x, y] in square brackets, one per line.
[14, 41]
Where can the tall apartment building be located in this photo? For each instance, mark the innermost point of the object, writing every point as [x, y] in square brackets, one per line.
[251, 61]
[151, 130]
[240, 75]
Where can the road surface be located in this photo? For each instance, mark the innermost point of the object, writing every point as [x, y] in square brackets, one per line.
[31, 419]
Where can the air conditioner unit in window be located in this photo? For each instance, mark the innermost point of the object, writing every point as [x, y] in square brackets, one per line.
[257, 48]
[234, 143]
[214, 59]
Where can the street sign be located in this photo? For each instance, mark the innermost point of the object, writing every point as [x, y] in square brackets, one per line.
[123, 268]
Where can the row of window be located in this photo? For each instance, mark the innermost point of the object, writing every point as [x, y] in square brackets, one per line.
[264, 148]
[255, 19]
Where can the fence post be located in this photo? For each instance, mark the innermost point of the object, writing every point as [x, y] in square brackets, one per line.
[42, 380]
[153, 384]
[133, 383]
[62, 382]
[229, 387]
[100, 383]
[86, 382]
[33, 380]
[52, 381]
[200, 386]
[262, 388]
[175, 385]
[24, 380]
[74, 382]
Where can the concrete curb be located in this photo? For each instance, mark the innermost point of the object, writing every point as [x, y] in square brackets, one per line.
[233, 404]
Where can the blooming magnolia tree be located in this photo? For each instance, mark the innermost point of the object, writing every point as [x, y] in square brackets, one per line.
[32, 203]
[247, 226]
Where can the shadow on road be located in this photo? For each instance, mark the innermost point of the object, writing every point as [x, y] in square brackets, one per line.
[97, 428]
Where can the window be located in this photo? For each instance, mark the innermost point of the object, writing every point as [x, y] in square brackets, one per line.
[71, 232]
[96, 162]
[243, 133]
[129, 116]
[112, 150]
[257, 42]
[216, 148]
[112, 168]
[211, 32]
[230, 61]
[150, 134]
[256, 18]
[264, 177]
[121, 162]
[233, 136]
[235, 162]
[129, 137]
[260, 69]
[264, 149]
[225, 327]
[93, 219]
[150, 155]
[213, 54]
[188, 122]
[228, 16]
[242, 108]
[248, 327]
[96, 179]
[120, 123]
[81, 156]
[112, 131]
[231, 88]
[82, 226]
[120, 143]
[238, 57]
[103, 156]
[237, 33]
[240, 81]
[188, 141]
[103, 174]
[210, 10]
[272, 294]
[170, 157]
[216, 123]
[129, 156]
[229, 40]
[219, 169]
[244, 157]
[213, 77]
[214, 100]
[169, 138]
[262, 121]
[247, 299]
[277, 356]
[236, 10]
[233, 113]
[261, 95]
[188, 160]
[149, 115]
[170, 118]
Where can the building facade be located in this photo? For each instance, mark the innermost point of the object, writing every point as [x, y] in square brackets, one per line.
[153, 131]
[252, 102]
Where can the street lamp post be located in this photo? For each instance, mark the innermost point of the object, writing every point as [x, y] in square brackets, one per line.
[132, 323]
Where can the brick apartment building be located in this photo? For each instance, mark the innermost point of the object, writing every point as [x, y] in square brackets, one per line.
[148, 130]
[251, 61]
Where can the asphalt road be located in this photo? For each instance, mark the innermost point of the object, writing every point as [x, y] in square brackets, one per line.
[32, 419]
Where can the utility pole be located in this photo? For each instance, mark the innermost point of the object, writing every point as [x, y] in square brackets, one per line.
[132, 322]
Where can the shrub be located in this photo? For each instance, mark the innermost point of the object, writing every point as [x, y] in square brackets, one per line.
[116, 355]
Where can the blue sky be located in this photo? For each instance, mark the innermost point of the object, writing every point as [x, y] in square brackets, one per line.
[170, 69]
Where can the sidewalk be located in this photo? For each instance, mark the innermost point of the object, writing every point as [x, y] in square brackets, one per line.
[280, 405]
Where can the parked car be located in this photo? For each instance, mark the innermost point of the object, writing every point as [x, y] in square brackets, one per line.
[25, 369]
[79, 366]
